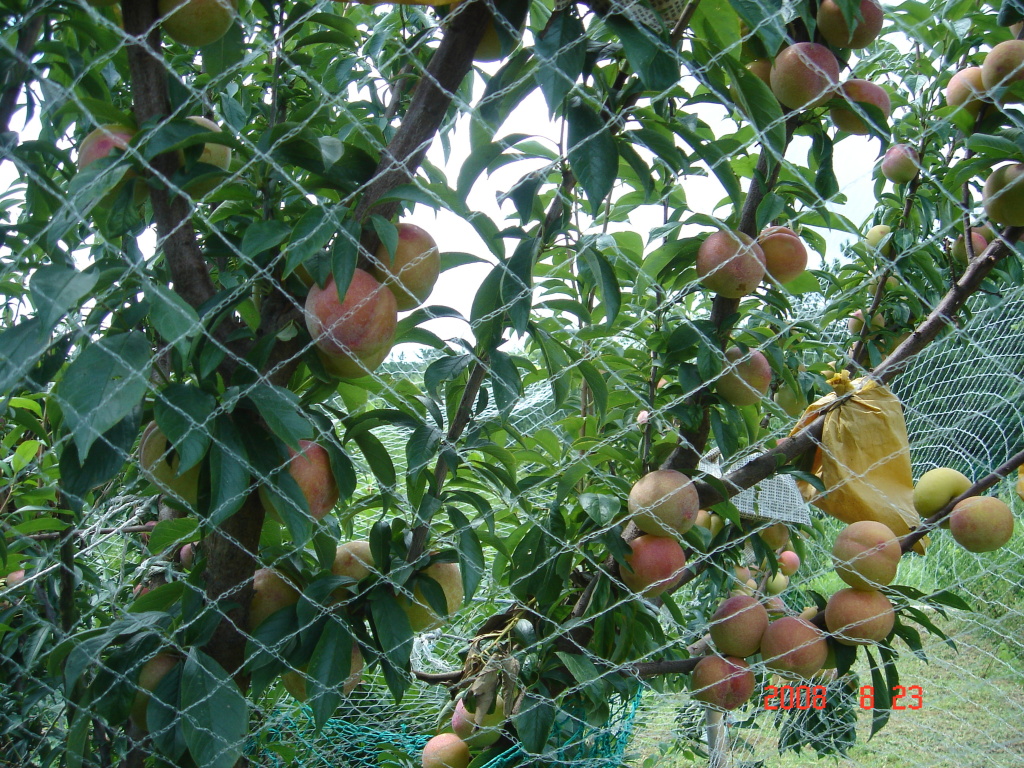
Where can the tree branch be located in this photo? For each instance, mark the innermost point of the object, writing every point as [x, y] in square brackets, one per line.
[28, 36]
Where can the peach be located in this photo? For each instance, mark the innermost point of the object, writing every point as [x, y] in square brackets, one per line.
[775, 536]
[866, 554]
[311, 470]
[723, 683]
[1003, 65]
[789, 562]
[965, 89]
[859, 617]
[411, 273]
[793, 646]
[856, 322]
[422, 615]
[784, 253]
[792, 402]
[353, 559]
[270, 594]
[1003, 195]
[776, 584]
[959, 249]
[901, 164]
[873, 239]
[664, 503]
[150, 675]
[837, 33]
[655, 565]
[478, 728]
[762, 70]
[158, 463]
[746, 378]
[446, 750]
[853, 118]
[738, 626]
[102, 142]
[730, 263]
[294, 680]
[981, 523]
[355, 335]
[804, 75]
[197, 22]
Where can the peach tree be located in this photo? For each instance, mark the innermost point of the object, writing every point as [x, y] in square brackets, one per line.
[208, 258]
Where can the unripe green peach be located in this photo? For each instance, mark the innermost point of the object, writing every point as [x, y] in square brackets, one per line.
[664, 503]
[804, 75]
[874, 237]
[837, 33]
[775, 535]
[730, 263]
[851, 116]
[270, 594]
[746, 379]
[856, 322]
[421, 613]
[936, 488]
[150, 675]
[776, 584]
[197, 22]
[294, 680]
[1003, 195]
[981, 523]
[859, 617]
[159, 463]
[901, 164]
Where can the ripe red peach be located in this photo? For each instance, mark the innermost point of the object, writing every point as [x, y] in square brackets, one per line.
[833, 27]
[965, 90]
[959, 249]
[655, 565]
[784, 253]
[804, 75]
[850, 116]
[859, 617]
[789, 562]
[355, 335]
[738, 626]
[311, 470]
[446, 750]
[664, 503]
[866, 554]
[746, 378]
[901, 164]
[981, 523]
[730, 263]
[102, 142]
[411, 273]
[724, 683]
[792, 646]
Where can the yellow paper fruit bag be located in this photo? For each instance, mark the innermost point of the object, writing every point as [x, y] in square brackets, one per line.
[864, 457]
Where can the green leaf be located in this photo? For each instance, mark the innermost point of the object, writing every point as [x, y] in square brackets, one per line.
[444, 369]
[603, 275]
[395, 635]
[173, 318]
[329, 668]
[716, 159]
[280, 408]
[600, 508]
[229, 471]
[596, 383]
[561, 50]
[103, 384]
[516, 290]
[173, 533]
[764, 18]
[106, 457]
[214, 714]
[227, 52]
[56, 289]
[20, 347]
[592, 153]
[261, 236]
[312, 232]
[184, 414]
[471, 555]
[534, 721]
[805, 282]
[387, 232]
[580, 667]
[648, 55]
[883, 697]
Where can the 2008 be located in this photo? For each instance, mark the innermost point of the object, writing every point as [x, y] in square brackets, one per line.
[800, 697]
